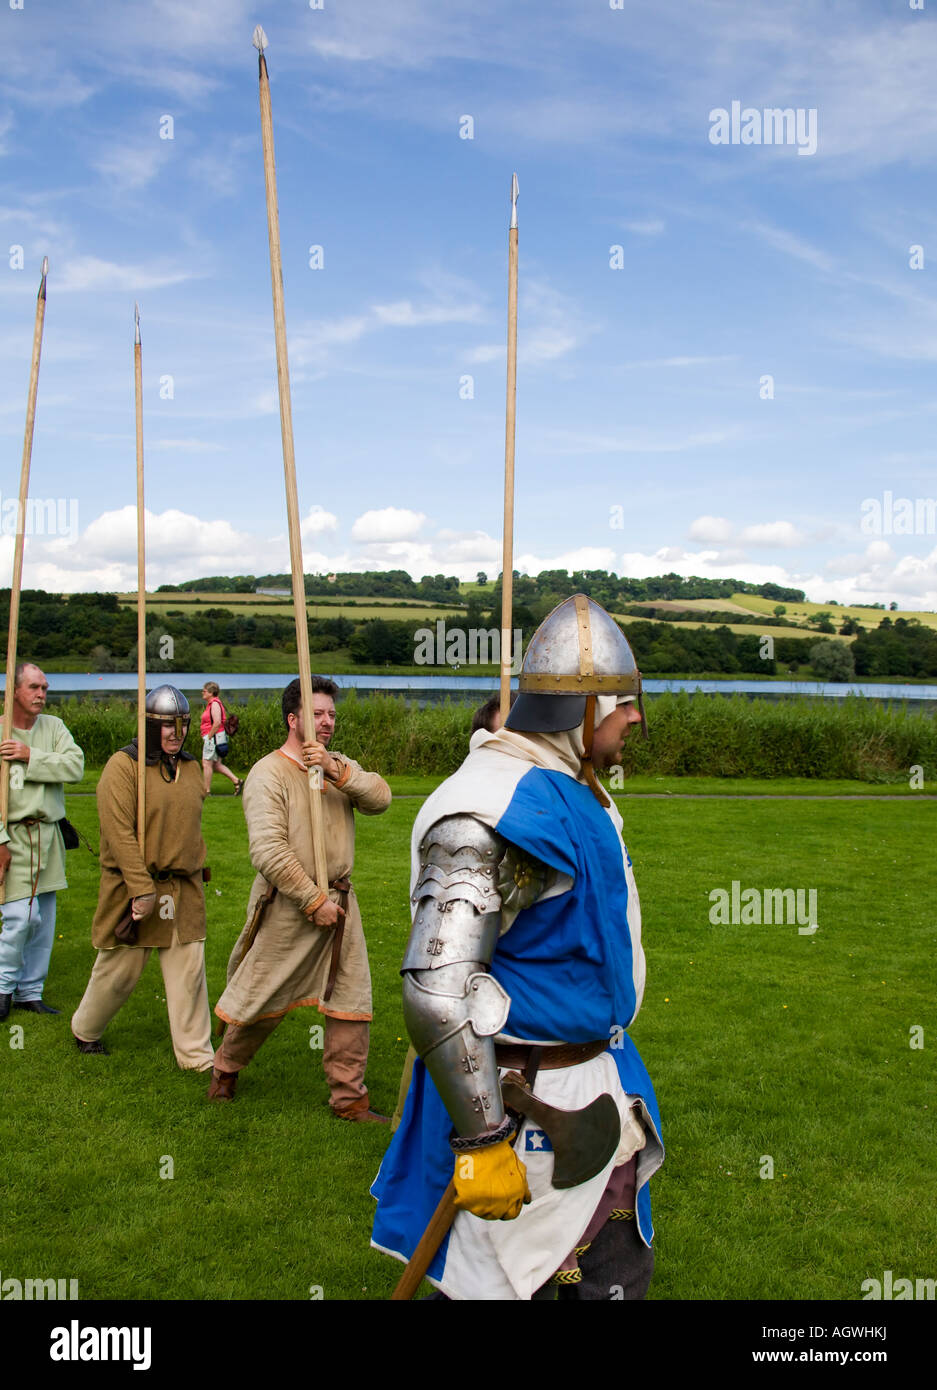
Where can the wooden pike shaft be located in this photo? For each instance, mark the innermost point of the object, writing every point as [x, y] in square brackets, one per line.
[430, 1241]
[507, 561]
[141, 592]
[289, 472]
[17, 577]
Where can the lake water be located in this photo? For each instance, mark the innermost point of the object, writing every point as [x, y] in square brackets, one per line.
[469, 689]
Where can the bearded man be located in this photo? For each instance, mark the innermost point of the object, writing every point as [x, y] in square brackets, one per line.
[526, 955]
[310, 947]
[154, 899]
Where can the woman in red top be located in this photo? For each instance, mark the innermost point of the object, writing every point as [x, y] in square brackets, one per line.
[215, 739]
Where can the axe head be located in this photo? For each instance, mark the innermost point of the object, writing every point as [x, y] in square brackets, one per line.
[583, 1141]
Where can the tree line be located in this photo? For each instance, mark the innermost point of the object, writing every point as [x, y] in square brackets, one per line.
[97, 628]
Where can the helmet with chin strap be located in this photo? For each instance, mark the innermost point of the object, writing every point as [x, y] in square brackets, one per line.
[165, 705]
[577, 653]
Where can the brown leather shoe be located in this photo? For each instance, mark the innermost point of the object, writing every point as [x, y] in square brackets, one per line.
[95, 1048]
[362, 1117]
[222, 1084]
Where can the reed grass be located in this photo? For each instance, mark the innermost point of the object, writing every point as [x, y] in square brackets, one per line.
[708, 736]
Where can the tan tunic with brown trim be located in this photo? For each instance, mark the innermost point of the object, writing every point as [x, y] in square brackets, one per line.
[289, 962]
[173, 843]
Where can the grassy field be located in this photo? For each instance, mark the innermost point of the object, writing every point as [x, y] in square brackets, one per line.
[742, 629]
[763, 1044]
[249, 605]
[800, 612]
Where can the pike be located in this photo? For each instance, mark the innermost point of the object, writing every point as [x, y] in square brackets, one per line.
[141, 589]
[507, 561]
[126, 929]
[314, 774]
[17, 576]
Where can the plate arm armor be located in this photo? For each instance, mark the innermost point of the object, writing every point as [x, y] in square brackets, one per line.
[452, 1006]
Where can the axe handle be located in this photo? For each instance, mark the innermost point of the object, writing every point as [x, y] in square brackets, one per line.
[430, 1241]
[445, 1213]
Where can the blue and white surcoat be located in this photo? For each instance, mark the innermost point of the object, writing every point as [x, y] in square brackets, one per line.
[573, 966]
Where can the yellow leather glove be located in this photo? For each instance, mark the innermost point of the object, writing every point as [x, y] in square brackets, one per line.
[491, 1183]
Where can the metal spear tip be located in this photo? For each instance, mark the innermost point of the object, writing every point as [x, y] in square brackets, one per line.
[45, 266]
[136, 323]
[260, 39]
[514, 193]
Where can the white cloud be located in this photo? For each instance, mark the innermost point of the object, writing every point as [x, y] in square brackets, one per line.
[469, 548]
[486, 352]
[553, 324]
[178, 546]
[131, 166]
[402, 314]
[772, 533]
[681, 361]
[185, 446]
[317, 521]
[91, 273]
[387, 524]
[718, 530]
[565, 442]
[652, 226]
[113, 535]
[588, 557]
[791, 245]
[710, 528]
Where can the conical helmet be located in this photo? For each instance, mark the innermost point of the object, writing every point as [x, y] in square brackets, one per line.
[578, 650]
[167, 705]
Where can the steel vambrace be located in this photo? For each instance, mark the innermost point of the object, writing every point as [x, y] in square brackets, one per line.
[452, 1006]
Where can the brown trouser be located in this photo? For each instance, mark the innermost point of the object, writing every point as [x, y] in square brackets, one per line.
[344, 1056]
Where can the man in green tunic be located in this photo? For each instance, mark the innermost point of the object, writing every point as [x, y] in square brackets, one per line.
[42, 755]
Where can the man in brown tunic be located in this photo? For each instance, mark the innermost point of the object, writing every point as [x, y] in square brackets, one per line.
[162, 887]
[288, 964]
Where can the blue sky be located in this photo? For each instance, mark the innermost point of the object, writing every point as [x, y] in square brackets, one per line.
[648, 438]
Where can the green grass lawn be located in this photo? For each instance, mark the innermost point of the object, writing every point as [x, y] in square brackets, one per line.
[762, 1043]
[647, 785]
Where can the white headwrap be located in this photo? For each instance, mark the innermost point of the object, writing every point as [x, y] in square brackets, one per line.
[560, 752]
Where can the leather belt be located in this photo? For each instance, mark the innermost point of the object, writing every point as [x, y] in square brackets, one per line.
[515, 1056]
[29, 822]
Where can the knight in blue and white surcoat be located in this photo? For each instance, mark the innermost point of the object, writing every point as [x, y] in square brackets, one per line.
[526, 941]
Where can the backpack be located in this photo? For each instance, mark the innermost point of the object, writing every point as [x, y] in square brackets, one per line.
[231, 723]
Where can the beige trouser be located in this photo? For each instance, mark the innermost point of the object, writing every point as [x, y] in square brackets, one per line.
[344, 1056]
[115, 977]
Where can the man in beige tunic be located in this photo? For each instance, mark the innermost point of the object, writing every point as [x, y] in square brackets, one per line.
[160, 891]
[289, 963]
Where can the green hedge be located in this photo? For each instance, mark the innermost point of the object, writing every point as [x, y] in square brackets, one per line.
[715, 736]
